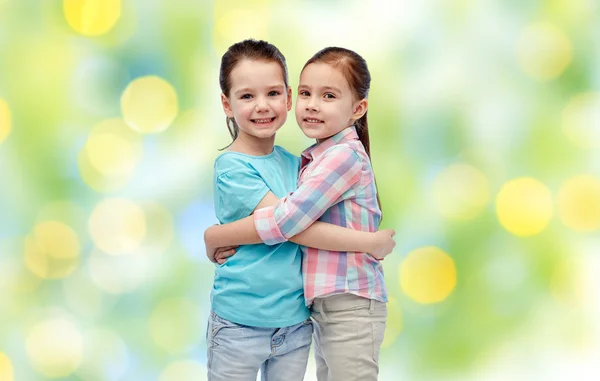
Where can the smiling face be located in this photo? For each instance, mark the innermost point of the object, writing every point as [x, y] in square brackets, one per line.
[325, 104]
[258, 99]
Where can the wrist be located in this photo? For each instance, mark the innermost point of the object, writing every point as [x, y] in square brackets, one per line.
[371, 243]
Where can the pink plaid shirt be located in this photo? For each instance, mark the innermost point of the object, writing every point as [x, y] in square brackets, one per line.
[335, 185]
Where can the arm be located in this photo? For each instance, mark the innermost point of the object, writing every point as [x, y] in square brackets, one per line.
[320, 235]
[332, 180]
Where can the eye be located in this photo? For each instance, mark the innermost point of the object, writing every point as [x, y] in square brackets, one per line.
[274, 93]
[304, 93]
[246, 96]
[328, 96]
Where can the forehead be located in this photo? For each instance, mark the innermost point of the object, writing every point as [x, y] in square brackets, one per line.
[253, 73]
[322, 74]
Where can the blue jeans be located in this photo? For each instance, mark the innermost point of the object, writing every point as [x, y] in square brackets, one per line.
[236, 352]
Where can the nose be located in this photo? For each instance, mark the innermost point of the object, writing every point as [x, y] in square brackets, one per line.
[261, 104]
[311, 105]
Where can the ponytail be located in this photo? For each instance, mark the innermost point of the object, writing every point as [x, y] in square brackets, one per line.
[233, 129]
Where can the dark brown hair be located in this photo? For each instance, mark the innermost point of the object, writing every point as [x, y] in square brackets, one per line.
[256, 50]
[355, 70]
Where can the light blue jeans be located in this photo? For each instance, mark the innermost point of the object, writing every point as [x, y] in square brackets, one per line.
[236, 352]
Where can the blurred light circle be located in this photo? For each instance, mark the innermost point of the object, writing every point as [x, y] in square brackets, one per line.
[543, 51]
[579, 203]
[117, 226]
[393, 326]
[66, 212]
[52, 251]
[236, 20]
[57, 239]
[105, 356]
[174, 325]
[110, 155]
[4, 120]
[149, 104]
[55, 347]
[183, 370]
[524, 206]
[581, 120]
[159, 228]
[92, 17]
[82, 296]
[427, 275]
[6, 368]
[460, 192]
[117, 274]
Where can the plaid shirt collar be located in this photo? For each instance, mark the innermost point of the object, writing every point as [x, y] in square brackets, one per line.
[317, 149]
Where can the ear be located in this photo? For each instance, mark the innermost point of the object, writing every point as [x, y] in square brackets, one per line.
[359, 109]
[226, 106]
[289, 98]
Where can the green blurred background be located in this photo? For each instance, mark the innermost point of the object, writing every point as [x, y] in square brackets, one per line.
[485, 138]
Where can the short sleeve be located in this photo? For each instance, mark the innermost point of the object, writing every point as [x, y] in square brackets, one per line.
[239, 192]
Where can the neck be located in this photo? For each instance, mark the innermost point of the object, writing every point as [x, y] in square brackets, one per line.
[251, 145]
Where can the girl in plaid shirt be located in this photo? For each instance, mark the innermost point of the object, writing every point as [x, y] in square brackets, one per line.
[259, 318]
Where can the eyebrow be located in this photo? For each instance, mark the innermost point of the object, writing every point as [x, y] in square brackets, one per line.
[334, 89]
[249, 90]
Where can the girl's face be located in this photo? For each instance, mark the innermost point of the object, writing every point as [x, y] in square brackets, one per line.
[258, 99]
[325, 103]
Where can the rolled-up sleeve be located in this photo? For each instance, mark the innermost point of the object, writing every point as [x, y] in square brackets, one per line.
[331, 181]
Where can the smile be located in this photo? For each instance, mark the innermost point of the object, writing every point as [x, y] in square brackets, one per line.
[262, 121]
[311, 120]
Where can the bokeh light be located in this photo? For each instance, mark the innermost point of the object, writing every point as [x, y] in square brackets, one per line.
[581, 120]
[92, 17]
[6, 368]
[524, 206]
[117, 226]
[460, 192]
[184, 370]
[236, 20]
[55, 347]
[106, 356]
[393, 327]
[52, 251]
[4, 120]
[543, 51]
[174, 325]
[427, 275]
[110, 155]
[83, 296]
[117, 274]
[149, 104]
[579, 203]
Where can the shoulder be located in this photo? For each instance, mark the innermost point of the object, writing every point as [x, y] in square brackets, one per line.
[230, 161]
[342, 151]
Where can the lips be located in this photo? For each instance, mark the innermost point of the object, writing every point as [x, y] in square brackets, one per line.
[263, 120]
[312, 120]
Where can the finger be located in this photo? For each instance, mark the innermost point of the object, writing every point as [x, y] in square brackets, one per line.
[393, 232]
[225, 254]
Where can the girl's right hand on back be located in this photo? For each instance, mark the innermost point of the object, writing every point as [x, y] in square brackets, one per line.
[222, 253]
[383, 244]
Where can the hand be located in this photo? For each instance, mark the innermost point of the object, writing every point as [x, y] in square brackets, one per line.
[222, 253]
[383, 243]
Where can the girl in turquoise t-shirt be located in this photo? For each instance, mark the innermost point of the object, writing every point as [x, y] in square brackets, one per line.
[258, 318]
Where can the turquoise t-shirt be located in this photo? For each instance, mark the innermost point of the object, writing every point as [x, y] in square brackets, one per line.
[260, 286]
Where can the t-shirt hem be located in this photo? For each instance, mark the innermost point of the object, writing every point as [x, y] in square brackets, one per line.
[261, 322]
